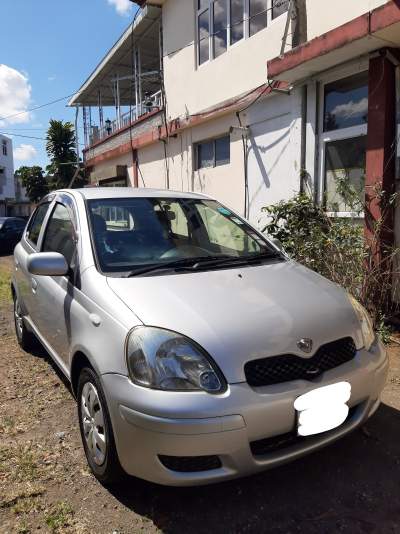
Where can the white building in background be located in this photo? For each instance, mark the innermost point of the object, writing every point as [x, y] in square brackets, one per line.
[250, 101]
[7, 188]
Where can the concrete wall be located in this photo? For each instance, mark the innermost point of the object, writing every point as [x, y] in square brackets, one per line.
[226, 182]
[323, 16]
[7, 189]
[242, 67]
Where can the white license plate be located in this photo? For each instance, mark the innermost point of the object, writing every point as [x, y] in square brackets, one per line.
[322, 409]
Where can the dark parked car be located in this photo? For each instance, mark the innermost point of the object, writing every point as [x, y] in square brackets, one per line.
[11, 230]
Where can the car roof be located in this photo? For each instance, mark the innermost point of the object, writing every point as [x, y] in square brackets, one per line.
[92, 193]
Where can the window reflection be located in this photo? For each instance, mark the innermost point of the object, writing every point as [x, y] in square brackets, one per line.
[346, 102]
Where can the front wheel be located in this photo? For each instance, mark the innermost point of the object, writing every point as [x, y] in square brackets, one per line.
[24, 337]
[96, 431]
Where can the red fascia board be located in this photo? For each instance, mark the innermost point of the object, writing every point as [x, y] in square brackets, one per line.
[353, 30]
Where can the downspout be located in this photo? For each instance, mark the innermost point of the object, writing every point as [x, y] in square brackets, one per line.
[303, 144]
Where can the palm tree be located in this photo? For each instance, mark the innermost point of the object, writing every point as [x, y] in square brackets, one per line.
[60, 148]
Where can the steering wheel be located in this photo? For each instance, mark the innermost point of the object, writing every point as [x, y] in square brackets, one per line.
[186, 251]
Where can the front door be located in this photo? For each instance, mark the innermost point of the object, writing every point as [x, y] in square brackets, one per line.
[54, 294]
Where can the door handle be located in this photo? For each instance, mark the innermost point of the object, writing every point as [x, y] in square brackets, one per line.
[34, 285]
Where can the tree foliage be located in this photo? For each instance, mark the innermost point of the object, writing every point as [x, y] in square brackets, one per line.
[60, 148]
[32, 178]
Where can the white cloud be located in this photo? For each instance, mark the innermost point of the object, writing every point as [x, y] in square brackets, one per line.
[51, 78]
[24, 152]
[123, 7]
[15, 96]
[351, 109]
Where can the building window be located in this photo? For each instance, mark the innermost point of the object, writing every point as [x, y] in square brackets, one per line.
[213, 153]
[4, 144]
[344, 114]
[258, 15]
[222, 23]
[346, 102]
[279, 7]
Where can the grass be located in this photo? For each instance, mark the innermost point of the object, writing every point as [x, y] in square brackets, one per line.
[59, 516]
[5, 279]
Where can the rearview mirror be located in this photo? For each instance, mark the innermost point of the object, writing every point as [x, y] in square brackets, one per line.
[47, 264]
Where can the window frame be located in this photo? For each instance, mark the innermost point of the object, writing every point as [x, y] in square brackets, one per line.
[36, 246]
[246, 28]
[342, 134]
[212, 140]
[4, 145]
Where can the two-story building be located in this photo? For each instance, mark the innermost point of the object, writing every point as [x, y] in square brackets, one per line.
[7, 190]
[250, 101]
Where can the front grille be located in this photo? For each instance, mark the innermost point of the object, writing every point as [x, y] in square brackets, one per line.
[190, 464]
[278, 369]
[265, 446]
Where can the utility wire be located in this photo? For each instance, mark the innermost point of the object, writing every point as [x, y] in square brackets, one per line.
[37, 107]
[28, 136]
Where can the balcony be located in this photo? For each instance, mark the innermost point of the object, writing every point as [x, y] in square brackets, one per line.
[125, 89]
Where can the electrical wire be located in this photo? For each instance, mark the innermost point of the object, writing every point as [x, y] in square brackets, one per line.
[28, 136]
[37, 107]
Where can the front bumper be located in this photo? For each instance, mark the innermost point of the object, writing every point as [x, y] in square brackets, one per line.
[148, 424]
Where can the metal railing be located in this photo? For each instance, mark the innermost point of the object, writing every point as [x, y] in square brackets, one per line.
[97, 133]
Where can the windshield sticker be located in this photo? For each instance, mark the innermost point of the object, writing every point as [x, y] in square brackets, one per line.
[224, 211]
[236, 220]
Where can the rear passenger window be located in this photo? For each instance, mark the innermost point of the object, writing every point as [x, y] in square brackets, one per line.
[36, 223]
[60, 234]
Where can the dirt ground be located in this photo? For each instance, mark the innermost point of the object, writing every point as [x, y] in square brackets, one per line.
[352, 486]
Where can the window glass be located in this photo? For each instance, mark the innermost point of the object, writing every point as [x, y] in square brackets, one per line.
[168, 229]
[258, 15]
[60, 234]
[202, 4]
[220, 27]
[225, 233]
[345, 174]
[4, 148]
[176, 217]
[116, 219]
[279, 7]
[346, 102]
[237, 20]
[36, 223]
[222, 150]
[205, 154]
[203, 37]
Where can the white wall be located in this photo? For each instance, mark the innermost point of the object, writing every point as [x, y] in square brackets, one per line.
[324, 15]
[275, 151]
[7, 162]
[243, 67]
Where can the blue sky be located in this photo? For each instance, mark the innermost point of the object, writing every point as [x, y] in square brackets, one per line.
[48, 49]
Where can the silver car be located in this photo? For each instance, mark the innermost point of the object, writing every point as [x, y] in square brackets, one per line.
[197, 351]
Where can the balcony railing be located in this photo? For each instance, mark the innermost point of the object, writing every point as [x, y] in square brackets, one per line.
[98, 133]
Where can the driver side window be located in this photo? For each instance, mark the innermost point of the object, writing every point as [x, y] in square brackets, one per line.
[60, 234]
[36, 223]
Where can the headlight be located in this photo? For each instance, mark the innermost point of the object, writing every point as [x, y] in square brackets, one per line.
[162, 359]
[367, 327]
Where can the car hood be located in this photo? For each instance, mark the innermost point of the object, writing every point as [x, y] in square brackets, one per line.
[243, 314]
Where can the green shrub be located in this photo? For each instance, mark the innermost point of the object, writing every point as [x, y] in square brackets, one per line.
[336, 248]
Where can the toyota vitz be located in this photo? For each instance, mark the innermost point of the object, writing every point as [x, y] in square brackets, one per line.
[197, 351]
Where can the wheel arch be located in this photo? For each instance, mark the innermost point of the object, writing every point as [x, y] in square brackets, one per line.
[79, 361]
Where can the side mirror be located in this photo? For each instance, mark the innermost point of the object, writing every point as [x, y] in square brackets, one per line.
[47, 264]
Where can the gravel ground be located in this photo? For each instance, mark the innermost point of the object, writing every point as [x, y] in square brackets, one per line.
[352, 486]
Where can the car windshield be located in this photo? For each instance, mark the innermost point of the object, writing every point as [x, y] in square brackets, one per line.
[136, 233]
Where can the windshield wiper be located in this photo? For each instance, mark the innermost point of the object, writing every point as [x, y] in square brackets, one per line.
[194, 264]
[183, 263]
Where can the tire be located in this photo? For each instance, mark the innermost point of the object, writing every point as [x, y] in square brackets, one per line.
[24, 337]
[96, 430]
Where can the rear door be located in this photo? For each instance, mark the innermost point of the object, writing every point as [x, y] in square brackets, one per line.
[26, 283]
